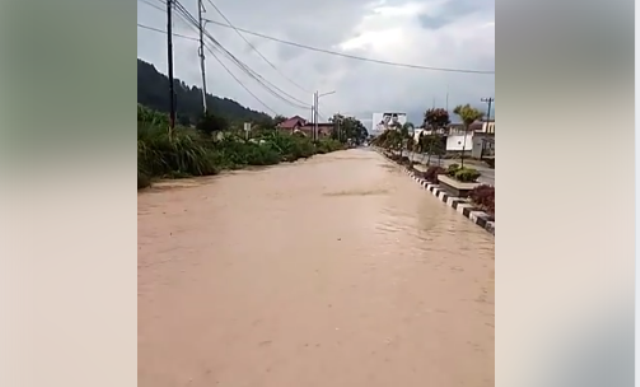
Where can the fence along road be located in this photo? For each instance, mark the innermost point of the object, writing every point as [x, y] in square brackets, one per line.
[337, 271]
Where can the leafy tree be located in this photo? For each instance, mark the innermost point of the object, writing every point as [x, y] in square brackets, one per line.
[431, 144]
[348, 129]
[436, 119]
[408, 129]
[266, 123]
[389, 140]
[468, 115]
[278, 119]
[406, 136]
[211, 123]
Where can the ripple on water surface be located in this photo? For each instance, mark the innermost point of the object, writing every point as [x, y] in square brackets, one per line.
[336, 271]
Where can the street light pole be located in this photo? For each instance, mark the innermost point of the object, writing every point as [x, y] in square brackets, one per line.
[201, 55]
[488, 101]
[316, 98]
[172, 96]
[315, 116]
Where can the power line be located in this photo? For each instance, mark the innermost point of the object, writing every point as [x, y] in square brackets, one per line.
[239, 82]
[150, 4]
[349, 56]
[164, 32]
[383, 62]
[256, 50]
[190, 19]
[218, 60]
[253, 74]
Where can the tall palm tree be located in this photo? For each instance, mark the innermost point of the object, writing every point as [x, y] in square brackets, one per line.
[468, 115]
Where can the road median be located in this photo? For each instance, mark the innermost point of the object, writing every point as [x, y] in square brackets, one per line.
[469, 208]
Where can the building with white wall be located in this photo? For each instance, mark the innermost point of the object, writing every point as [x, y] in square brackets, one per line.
[458, 142]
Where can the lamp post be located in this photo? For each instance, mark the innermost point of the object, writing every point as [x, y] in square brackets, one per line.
[316, 98]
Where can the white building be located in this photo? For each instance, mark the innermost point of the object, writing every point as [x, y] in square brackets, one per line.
[456, 137]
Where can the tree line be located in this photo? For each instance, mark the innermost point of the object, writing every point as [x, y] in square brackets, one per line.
[436, 121]
[153, 93]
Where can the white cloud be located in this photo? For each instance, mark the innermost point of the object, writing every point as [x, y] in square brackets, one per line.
[439, 33]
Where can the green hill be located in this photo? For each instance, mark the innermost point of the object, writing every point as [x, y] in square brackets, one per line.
[153, 92]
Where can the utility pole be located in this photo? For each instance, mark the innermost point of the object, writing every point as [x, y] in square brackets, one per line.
[315, 115]
[172, 102]
[201, 55]
[488, 101]
[446, 101]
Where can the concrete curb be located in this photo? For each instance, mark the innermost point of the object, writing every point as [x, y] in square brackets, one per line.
[461, 205]
[480, 218]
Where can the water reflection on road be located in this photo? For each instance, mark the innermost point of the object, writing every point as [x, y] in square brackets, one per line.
[337, 271]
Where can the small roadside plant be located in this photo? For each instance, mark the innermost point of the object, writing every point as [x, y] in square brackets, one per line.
[431, 175]
[462, 174]
[484, 196]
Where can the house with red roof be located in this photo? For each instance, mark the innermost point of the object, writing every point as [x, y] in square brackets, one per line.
[297, 124]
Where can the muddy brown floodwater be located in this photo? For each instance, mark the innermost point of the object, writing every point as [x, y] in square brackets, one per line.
[338, 271]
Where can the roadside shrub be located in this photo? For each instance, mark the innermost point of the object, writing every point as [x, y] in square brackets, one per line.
[405, 160]
[431, 175]
[259, 155]
[189, 152]
[485, 197]
[327, 145]
[452, 169]
[184, 154]
[466, 175]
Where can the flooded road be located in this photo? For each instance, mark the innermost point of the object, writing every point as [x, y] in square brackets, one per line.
[339, 271]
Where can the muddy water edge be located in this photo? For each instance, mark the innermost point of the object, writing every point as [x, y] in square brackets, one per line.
[335, 271]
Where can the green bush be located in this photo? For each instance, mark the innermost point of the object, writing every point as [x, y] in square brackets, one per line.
[466, 175]
[189, 152]
[452, 169]
[186, 153]
[328, 145]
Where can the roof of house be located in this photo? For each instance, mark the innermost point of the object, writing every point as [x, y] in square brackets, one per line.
[292, 122]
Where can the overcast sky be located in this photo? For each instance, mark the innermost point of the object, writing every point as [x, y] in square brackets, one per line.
[437, 33]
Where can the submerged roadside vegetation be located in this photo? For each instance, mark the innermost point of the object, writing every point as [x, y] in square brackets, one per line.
[188, 152]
